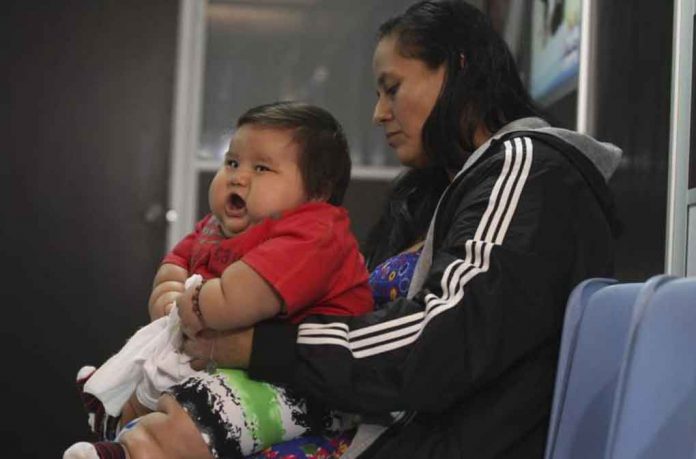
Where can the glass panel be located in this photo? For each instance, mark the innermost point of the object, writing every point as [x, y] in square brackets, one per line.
[691, 243]
[202, 206]
[544, 38]
[318, 51]
[555, 56]
[692, 148]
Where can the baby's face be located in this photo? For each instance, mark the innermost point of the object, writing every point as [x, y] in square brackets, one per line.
[260, 178]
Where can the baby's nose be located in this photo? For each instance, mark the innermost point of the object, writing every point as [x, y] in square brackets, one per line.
[239, 178]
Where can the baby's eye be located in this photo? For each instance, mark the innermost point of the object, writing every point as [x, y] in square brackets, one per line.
[261, 168]
[233, 163]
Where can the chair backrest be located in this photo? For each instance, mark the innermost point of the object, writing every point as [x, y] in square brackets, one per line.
[575, 308]
[655, 408]
[585, 410]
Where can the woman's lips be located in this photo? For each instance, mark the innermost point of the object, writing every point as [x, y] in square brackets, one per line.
[391, 137]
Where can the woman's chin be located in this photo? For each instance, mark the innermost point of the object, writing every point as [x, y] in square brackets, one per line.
[413, 160]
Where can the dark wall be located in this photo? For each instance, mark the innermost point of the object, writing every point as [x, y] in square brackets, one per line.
[633, 105]
[86, 129]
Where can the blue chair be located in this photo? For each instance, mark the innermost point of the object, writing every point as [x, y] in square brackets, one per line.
[655, 408]
[589, 368]
[577, 302]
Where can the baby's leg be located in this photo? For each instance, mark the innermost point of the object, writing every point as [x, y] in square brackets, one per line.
[105, 427]
[238, 416]
[131, 410]
[222, 415]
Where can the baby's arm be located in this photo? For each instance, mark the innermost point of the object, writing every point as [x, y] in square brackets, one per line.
[239, 298]
[167, 287]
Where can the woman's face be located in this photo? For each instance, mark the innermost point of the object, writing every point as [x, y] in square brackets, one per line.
[407, 90]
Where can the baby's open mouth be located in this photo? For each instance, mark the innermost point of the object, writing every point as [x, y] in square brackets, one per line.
[235, 202]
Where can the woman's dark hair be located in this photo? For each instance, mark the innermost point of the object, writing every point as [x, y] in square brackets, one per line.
[482, 85]
[324, 157]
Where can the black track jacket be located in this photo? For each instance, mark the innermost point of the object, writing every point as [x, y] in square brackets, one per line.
[471, 357]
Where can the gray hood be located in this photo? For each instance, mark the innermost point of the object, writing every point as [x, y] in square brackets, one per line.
[605, 156]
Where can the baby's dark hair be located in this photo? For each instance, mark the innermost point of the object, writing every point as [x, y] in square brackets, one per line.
[324, 158]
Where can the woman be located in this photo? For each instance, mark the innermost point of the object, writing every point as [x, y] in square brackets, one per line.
[465, 363]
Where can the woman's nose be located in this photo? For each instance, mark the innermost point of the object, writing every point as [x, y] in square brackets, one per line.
[381, 113]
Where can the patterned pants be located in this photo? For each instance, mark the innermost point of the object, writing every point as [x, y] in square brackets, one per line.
[239, 417]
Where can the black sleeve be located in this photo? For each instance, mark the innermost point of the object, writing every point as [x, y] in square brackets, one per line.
[496, 290]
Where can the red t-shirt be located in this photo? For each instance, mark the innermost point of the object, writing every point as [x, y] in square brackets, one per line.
[308, 255]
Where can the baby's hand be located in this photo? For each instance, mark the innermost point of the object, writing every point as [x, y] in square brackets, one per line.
[166, 299]
[168, 307]
[190, 322]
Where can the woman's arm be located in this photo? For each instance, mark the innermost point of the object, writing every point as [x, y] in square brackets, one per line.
[166, 288]
[514, 235]
[229, 349]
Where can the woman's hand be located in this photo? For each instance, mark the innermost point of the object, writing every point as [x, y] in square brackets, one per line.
[191, 324]
[229, 349]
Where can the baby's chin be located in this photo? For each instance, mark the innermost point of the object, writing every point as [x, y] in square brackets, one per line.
[228, 232]
[232, 230]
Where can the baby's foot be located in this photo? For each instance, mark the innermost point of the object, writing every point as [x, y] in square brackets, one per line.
[100, 450]
[103, 425]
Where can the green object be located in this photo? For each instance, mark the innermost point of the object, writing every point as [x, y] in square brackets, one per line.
[260, 405]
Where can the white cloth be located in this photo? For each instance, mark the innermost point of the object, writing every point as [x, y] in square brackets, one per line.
[148, 364]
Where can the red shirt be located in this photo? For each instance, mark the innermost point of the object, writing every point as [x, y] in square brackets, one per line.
[308, 255]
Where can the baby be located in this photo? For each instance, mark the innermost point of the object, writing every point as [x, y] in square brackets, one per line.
[276, 244]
